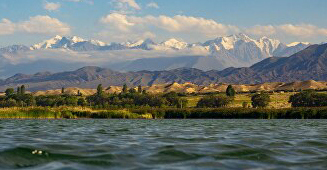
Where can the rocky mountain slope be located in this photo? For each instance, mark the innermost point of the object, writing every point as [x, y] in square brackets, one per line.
[308, 64]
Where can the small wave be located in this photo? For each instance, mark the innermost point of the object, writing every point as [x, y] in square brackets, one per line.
[24, 157]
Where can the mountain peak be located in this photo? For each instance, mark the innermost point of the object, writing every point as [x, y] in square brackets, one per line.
[57, 37]
[174, 43]
[297, 43]
[76, 39]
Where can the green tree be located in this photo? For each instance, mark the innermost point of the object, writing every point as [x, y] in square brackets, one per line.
[125, 88]
[308, 98]
[132, 90]
[260, 100]
[81, 102]
[22, 90]
[71, 101]
[230, 91]
[99, 90]
[139, 89]
[79, 93]
[214, 101]
[10, 92]
[18, 90]
[174, 100]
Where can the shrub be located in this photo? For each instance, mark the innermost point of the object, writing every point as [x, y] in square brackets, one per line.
[308, 98]
[214, 101]
[260, 100]
[230, 91]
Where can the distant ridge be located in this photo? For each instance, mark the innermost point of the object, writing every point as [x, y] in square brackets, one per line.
[193, 88]
[308, 64]
[70, 53]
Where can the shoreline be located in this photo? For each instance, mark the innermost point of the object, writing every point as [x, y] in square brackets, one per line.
[162, 113]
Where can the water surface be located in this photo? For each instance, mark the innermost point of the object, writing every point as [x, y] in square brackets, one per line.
[163, 144]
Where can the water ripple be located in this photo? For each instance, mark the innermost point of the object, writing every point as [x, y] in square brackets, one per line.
[163, 144]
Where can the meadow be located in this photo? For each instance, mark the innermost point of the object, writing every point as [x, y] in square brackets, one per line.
[278, 100]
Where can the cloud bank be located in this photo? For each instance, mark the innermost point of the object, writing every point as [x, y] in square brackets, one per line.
[300, 30]
[35, 25]
[130, 25]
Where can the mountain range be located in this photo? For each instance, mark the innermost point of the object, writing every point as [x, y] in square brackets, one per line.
[308, 64]
[69, 53]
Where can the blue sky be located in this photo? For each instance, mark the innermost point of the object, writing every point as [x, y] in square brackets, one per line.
[30, 21]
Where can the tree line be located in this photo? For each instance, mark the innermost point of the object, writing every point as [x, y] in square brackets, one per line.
[128, 98]
[138, 97]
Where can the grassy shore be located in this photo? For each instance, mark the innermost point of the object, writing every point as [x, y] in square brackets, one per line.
[162, 113]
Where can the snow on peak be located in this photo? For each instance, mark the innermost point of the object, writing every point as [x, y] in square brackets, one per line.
[96, 42]
[134, 43]
[229, 42]
[266, 44]
[76, 39]
[63, 42]
[47, 43]
[297, 43]
[174, 43]
[243, 37]
[58, 37]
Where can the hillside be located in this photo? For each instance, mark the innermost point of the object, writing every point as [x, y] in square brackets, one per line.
[193, 88]
[308, 64]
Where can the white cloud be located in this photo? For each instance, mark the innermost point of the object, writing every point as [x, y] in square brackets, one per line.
[194, 26]
[125, 6]
[131, 3]
[261, 30]
[100, 58]
[152, 5]
[35, 25]
[118, 21]
[6, 27]
[51, 6]
[44, 25]
[301, 30]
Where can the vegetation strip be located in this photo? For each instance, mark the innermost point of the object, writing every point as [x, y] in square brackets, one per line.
[163, 113]
[138, 104]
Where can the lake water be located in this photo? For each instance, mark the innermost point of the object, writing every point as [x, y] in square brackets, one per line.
[163, 144]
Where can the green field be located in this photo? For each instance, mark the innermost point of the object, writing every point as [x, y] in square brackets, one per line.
[278, 100]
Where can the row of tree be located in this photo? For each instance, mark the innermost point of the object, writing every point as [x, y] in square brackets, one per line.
[127, 98]
[139, 97]
[131, 97]
[258, 100]
[308, 98]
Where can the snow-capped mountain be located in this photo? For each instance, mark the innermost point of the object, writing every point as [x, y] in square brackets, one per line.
[239, 46]
[73, 43]
[174, 44]
[14, 49]
[230, 51]
[297, 43]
